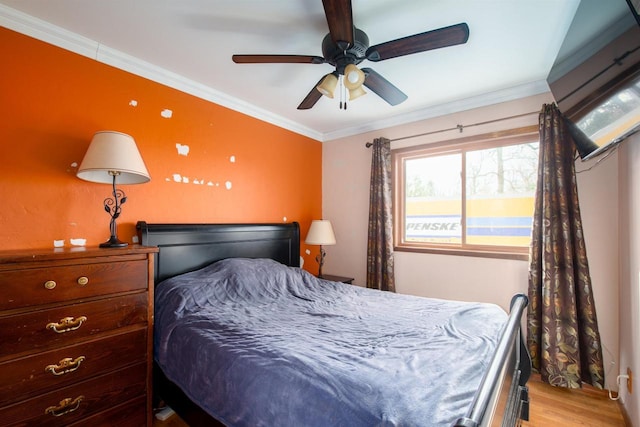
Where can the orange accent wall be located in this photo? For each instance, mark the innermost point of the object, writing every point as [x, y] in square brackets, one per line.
[52, 101]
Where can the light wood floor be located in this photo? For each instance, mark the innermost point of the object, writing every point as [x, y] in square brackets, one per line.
[556, 406]
[550, 407]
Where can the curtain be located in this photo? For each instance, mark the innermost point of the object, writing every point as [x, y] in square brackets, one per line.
[562, 327]
[380, 236]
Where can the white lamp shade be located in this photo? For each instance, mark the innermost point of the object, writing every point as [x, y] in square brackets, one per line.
[320, 233]
[113, 153]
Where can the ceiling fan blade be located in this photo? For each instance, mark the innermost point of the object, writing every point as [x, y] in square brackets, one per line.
[312, 97]
[340, 20]
[382, 87]
[435, 39]
[277, 59]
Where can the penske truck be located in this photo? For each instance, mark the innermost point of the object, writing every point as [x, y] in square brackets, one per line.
[499, 221]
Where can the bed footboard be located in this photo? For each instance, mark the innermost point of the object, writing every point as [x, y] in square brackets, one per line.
[502, 399]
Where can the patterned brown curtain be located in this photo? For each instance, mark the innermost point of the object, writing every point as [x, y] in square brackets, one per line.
[380, 242]
[562, 327]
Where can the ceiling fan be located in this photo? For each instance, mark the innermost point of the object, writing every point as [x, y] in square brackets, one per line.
[347, 46]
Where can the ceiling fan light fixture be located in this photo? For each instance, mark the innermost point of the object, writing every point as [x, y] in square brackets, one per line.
[354, 77]
[328, 85]
[345, 46]
[356, 93]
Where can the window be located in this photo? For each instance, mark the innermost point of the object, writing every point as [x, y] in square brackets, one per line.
[472, 196]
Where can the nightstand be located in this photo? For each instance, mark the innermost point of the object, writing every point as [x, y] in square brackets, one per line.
[348, 280]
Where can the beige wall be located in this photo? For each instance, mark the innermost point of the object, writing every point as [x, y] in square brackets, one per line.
[599, 206]
[630, 272]
[346, 169]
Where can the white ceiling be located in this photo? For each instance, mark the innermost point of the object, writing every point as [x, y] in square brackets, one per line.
[188, 44]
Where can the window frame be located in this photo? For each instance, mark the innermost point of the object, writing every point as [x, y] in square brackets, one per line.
[515, 136]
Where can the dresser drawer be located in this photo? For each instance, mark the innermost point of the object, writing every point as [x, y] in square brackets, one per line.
[131, 414]
[36, 286]
[51, 370]
[37, 330]
[70, 404]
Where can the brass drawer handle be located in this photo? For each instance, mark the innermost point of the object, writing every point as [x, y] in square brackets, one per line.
[65, 366]
[65, 406]
[50, 284]
[67, 324]
[83, 280]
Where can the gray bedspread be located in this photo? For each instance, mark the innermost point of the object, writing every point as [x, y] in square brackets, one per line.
[257, 343]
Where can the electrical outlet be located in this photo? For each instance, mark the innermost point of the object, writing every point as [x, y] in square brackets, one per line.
[629, 380]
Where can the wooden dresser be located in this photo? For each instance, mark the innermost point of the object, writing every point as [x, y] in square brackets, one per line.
[76, 337]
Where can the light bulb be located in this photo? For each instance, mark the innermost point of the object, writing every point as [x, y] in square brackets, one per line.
[354, 77]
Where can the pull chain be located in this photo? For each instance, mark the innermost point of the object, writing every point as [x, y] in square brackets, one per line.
[340, 89]
[344, 90]
[343, 93]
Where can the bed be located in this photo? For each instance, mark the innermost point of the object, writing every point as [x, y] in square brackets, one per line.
[244, 337]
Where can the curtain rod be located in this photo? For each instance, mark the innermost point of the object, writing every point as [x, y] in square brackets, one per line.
[459, 127]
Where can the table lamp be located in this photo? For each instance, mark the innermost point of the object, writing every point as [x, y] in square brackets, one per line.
[110, 156]
[320, 233]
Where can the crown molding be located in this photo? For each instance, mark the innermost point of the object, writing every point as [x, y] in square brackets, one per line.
[49, 33]
[483, 100]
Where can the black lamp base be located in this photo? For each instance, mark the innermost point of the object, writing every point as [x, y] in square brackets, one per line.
[320, 259]
[113, 206]
[113, 242]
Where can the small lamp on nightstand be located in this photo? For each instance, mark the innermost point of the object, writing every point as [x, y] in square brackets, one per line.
[320, 233]
[113, 155]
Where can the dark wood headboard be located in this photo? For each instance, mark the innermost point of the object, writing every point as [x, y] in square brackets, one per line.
[188, 247]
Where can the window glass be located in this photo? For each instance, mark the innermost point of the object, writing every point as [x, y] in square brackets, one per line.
[476, 195]
[433, 190]
[500, 188]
